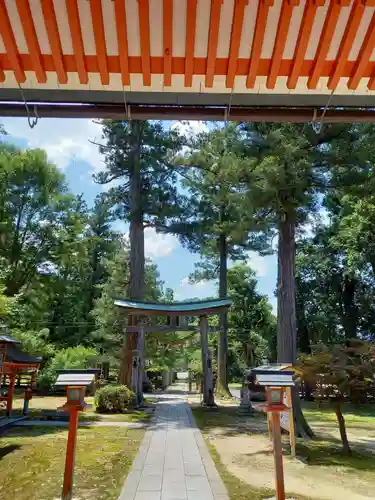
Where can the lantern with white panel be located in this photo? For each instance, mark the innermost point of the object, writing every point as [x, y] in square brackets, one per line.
[76, 385]
[276, 381]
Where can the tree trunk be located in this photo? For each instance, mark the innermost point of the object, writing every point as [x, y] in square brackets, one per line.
[286, 291]
[137, 254]
[344, 437]
[222, 388]
[286, 310]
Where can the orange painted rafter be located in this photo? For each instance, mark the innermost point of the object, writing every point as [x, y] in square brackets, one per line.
[76, 34]
[307, 22]
[27, 22]
[122, 40]
[144, 31]
[191, 19]
[213, 38]
[99, 36]
[10, 43]
[350, 33]
[54, 39]
[167, 40]
[235, 40]
[327, 34]
[280, 40]
[363, 58]
[256, 49]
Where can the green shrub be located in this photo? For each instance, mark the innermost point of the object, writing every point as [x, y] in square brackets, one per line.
[113, 399]
[73, 357]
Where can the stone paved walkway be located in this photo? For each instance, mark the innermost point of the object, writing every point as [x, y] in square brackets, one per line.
[173, 462]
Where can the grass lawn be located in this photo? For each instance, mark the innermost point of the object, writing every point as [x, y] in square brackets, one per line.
[358, 416]
[242, 452]
[39, 404]
[227, 419]
[32, 462]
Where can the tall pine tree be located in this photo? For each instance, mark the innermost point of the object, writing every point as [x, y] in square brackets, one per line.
[143, 188]
[218, 222]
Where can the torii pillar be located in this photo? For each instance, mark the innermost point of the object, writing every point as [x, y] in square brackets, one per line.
[208, 388]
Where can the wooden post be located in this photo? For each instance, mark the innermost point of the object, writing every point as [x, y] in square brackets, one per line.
[278, 456]
[292, 434]
[12, 379]
[269, 422]
[141, 363]
[67, 492]
[135, 373]
[208, 393]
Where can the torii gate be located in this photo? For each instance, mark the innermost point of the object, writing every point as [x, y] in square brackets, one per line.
[275, 60]
[202, 309]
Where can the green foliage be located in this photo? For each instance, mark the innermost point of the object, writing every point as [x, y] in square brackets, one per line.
[5, 304]
[145, 148]
[113, 399]
[73, 357]
[36, 343]
[252, 326]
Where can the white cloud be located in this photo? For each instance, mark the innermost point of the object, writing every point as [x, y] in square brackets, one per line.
[258, 264]
[64, 140]
[158, 244]
[200, 290]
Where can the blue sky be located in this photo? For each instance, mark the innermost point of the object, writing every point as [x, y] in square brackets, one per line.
[67, 144]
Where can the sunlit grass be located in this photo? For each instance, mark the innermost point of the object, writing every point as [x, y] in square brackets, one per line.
[32, 462]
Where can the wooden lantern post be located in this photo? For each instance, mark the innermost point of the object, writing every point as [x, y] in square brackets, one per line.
[276, 383]
[75, 391]
[274, 407]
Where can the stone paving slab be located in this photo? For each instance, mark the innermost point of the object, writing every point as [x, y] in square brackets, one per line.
[173, 462]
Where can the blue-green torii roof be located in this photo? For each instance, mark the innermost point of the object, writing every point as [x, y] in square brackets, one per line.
[197, 308]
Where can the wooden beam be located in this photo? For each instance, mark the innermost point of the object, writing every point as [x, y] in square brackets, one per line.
[256, 49]
[77, 42]
[99, 36]
[27, 22]
[54, 39]
[355, 18]
[167, 40]
[327, 34]
[280, 41]
[122, 40]
[235, 40]
[213, 38]
[191, 18]
[305, 29]
[144, 31]
[10, 43]
[364, 55]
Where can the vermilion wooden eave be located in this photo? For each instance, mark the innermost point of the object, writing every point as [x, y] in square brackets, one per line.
[209, 66]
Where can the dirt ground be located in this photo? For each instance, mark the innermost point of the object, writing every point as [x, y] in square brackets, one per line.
[247, 453]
